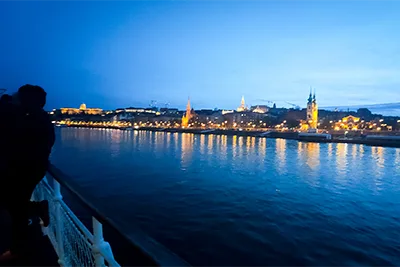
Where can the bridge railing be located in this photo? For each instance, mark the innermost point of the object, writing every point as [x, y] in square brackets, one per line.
[75, 244]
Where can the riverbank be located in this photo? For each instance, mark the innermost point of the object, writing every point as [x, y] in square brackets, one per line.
[385, 141]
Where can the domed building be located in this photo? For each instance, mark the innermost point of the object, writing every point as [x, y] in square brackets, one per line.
[82, 106]
[82, 110]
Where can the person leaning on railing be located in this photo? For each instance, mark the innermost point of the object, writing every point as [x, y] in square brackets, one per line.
[26, 138]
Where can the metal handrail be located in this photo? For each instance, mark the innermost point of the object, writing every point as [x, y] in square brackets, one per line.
[145, 244]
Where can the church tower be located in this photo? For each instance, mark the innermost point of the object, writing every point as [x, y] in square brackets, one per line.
[187, 116]
[312, 111]
[242, 106]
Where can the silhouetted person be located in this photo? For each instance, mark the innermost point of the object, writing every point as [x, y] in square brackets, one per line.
[29, 137]
[5, 98]
[7, 121]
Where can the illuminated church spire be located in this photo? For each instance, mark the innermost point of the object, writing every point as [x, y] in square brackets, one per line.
[314, 98]
[188, 107]
[312, 111]
[188, 115]
[242, 106]
[310, 96]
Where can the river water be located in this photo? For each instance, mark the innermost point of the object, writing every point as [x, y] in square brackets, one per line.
[228, 200]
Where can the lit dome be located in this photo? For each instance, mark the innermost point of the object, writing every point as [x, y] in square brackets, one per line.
[83, 106]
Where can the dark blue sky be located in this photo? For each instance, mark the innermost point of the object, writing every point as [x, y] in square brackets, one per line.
[118, 54]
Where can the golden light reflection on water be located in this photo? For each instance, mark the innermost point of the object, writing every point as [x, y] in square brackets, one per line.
[299, 148]
[345, 159]
[379, 160]
[240, 146]
[159, 139]
[361, 150]
[116, 142]
[186, 149]
[224, 145]
[253, 142]
[234, 146]
[354, 151]
[202, 143]
[379, 168]
[248, 144]
[168, 138]
[210, 143]
[381, 157]
[116, 135]
[262, 148]
[310, 152]
[330, 150]
[280, 150]
[313, 158]
[341, 158]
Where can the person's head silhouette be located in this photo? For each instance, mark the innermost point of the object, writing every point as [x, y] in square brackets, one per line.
[32, 96]
[5, 99]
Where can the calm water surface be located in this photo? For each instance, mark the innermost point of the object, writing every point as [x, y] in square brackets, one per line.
[220, 200]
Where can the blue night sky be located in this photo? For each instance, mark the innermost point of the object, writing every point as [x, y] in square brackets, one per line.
[119, 54]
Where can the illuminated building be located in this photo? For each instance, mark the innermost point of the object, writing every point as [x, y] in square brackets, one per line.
[260, 109]
[82, 109]
[140, 110]
[227, 111]
[242, 106]
[312, 112]
[246, 119]
[348, 123]
[350, 119]
[70, 111]
[188, 115]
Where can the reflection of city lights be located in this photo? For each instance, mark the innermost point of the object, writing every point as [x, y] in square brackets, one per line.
[280, 150]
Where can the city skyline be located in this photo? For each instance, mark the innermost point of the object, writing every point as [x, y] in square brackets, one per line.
[122, 54]
[388, 109]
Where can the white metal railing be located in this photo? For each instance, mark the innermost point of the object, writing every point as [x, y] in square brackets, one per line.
[74, 244]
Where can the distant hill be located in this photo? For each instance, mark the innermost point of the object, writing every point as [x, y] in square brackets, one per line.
[388, 109]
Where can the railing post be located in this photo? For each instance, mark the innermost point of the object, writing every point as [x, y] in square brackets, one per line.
[41, 198]
[59, 223]
[98, 241]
